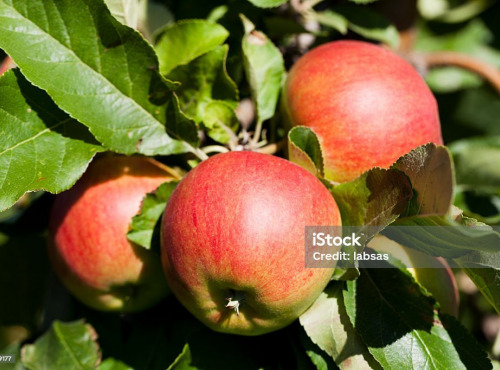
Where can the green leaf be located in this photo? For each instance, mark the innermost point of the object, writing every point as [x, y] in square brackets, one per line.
[186, 40]
[471, 353]
[180, 126]
[144, 224]
[361, 20]
[328, 326]
[430, 170]
[376, 198]
[267, 3]
[264, 69]
[476, 161]
[112, 364]
[183, 361]
[65, 346]
[220, 121]
[398, 323]
[125, 11]
[441, 236]
[13, 349]
[106, 77]
[41, 147]
[305, 150]
[204, 80]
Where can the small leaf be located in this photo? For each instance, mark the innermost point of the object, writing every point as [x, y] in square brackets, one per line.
[144, 224]
[112, 364]
[186, 40]
[41, 147]
[328, 326]
[430, 170]
[476, 161]
[204, 80]
[65, 346]
[180, 126]
[305, 150]
[183, 361]
[106, 78]
[264, 68]
[361, 20]
[220, 121]
[267, 3]
[407, 332]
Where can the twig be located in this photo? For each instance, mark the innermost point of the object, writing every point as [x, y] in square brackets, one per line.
[449, 58]
[272, 148]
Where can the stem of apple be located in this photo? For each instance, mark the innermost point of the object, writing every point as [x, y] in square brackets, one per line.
[272, 148]
[256, 134]
[448, 58]
[215, 149]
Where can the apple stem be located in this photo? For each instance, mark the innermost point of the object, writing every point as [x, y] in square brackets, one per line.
[256, 135]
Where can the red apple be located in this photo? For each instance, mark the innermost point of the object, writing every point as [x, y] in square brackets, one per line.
[6, 64]
[367, 105]
[88, 245]
[434, 274]
[233, 241]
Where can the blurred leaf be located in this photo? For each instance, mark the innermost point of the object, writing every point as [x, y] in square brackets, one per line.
[445, 11]
[471, 39]
[264, 68]
[144, 223]
[203, 80]
[186, 40]
[13, 349]
[41, 147]
[267, 3]
[24, 272]
[328, 326]
[153, 18]
[65, 346]
[220, 121]
[112, 364]
[361, 20]
[430, 170]
[407, 332]
[305, 150]
[484, 270]
[125, 11]
[183, 361]
[107, 79]
[476, 161]
[331, 19]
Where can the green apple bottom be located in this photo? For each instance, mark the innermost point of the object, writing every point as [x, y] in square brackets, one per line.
[233, 230]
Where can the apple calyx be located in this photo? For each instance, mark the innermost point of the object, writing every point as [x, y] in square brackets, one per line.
[234, 303]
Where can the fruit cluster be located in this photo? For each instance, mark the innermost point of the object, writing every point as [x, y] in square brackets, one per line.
[232, 234]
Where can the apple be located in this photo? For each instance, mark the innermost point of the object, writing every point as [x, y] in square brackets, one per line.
[6, 64]
[88, 246]
[233, 246]
[437, 276]
[367, 105]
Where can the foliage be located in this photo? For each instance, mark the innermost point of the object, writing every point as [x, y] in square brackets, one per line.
[179, 81]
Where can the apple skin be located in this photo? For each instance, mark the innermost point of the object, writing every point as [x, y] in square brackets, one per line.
[234, 228]
[6, 64]
[88, 246]
[437, 278]
[367, 105]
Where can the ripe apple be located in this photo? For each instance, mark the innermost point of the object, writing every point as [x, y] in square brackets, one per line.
[434, 274]
[233, 246]
[6, 64]
[88, 246]
[367, 105]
